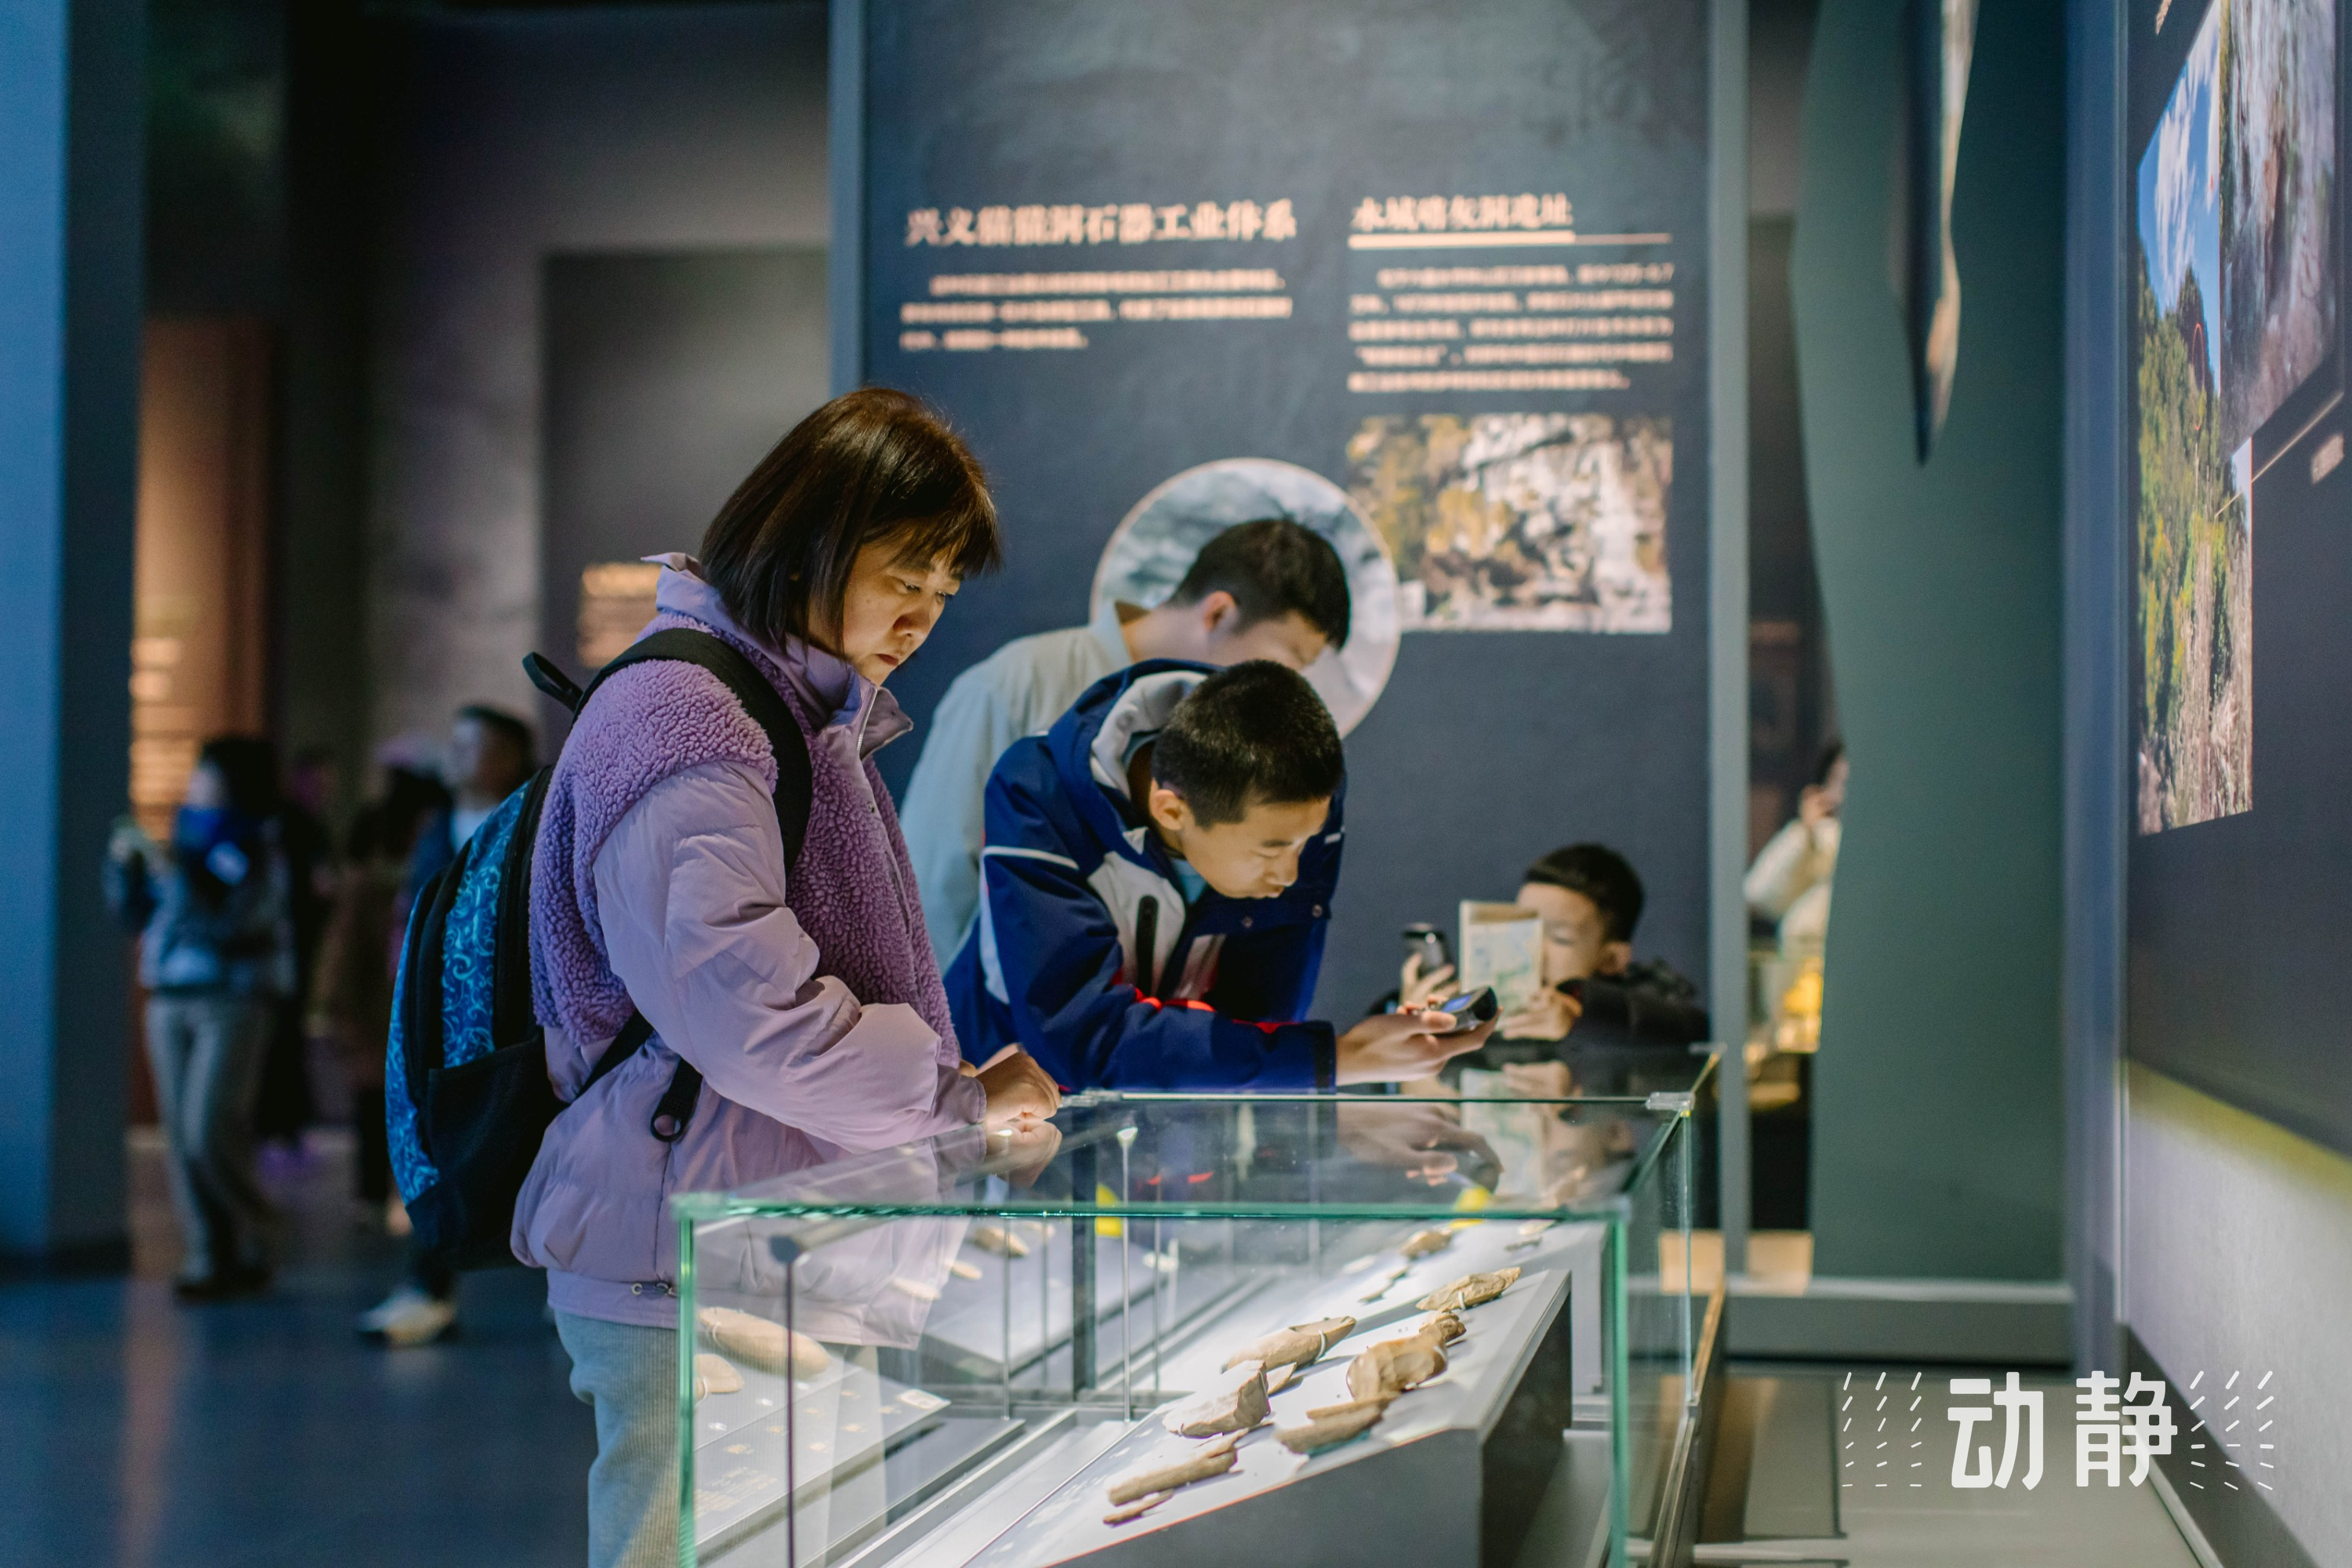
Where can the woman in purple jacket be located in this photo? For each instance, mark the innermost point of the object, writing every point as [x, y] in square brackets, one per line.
[812, 1010]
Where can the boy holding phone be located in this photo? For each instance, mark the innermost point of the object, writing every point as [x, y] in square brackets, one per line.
[1157, 878]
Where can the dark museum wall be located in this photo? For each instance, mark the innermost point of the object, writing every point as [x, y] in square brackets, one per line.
[1938, 1128]
[506, 140]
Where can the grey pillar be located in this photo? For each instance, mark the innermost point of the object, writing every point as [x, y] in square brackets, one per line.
[71, 199]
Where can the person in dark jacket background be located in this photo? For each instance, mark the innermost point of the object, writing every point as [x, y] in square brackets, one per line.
[286, 1105]
[217, 954]
[1594, 991]
[1156, 886]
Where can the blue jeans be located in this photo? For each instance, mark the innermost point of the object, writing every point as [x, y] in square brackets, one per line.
[628, 1375]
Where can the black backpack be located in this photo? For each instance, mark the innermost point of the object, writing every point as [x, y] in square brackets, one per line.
[467, 1097]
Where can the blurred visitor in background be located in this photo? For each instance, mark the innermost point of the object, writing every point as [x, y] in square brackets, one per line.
[1591, 899]
[215, 908]
[491, 753]
[1269, 589]
[286, 1104]
[1789, 885]
[351, 999]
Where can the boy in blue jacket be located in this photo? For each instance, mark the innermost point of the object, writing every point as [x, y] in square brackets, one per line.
[1157, 881]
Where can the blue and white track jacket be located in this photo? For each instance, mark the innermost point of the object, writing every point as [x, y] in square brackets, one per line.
[1085, 954]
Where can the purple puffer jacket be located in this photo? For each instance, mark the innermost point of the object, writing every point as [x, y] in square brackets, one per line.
[814, 1011]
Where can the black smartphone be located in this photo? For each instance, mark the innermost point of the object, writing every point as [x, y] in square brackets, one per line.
[1429, 943]
[1470, 1009]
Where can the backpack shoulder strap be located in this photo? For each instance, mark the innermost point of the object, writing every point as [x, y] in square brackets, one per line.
[795, 790]
[423, 1041]
[795, 784]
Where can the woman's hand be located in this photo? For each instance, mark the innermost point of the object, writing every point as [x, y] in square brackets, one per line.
[1025, 1149]
[1018, 1089]
[128, 842]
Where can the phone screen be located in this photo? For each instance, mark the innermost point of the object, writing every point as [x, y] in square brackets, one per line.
[1470, 1009]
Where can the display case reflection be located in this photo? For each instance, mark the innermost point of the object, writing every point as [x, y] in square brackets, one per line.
[1182, 1318]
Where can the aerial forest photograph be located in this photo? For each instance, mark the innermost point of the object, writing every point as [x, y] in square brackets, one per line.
[2193, 578]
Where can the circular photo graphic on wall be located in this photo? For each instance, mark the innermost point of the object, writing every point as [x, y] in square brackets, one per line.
[1154, 545]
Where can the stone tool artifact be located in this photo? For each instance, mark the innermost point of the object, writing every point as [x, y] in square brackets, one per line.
[999, 1240]
[1420, 1244]
[1386, 1370]
[1137, 1508]
[1234, 1403]
[1443, 1327]
[764, 1344]
[1298, 1345]
[1214, 1460]
[715, 1374]
[1470, 1291]
[1386, 1278]
[1332, 1425]
[963, 1270]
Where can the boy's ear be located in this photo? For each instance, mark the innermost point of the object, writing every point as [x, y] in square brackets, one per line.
[1167, 809]
[1220, 614]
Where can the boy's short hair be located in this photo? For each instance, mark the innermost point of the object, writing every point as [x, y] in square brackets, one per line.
[1255, 733]
[1273, 567]
[1601, 875]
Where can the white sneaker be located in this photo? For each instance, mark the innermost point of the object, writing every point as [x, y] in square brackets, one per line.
[408, 1317]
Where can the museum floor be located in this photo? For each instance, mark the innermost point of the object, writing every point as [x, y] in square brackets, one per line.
[264, 1435]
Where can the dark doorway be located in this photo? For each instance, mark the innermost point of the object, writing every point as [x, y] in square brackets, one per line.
[668, 377]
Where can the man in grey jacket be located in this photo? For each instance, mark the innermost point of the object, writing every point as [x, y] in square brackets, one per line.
[1269, 589]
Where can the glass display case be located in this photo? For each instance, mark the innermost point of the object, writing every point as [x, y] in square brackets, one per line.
[1306, 1328]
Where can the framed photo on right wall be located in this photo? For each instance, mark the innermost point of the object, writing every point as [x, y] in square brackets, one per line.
[2239, 571]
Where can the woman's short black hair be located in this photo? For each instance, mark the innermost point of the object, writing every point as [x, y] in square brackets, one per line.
[872, 467]
[1256, 733]
[1601, 875]
[1273, 567]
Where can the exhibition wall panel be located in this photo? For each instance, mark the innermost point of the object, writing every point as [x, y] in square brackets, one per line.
[1455, 263]
[2211, 1240]
[2239, 583]
[1937, 1131]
